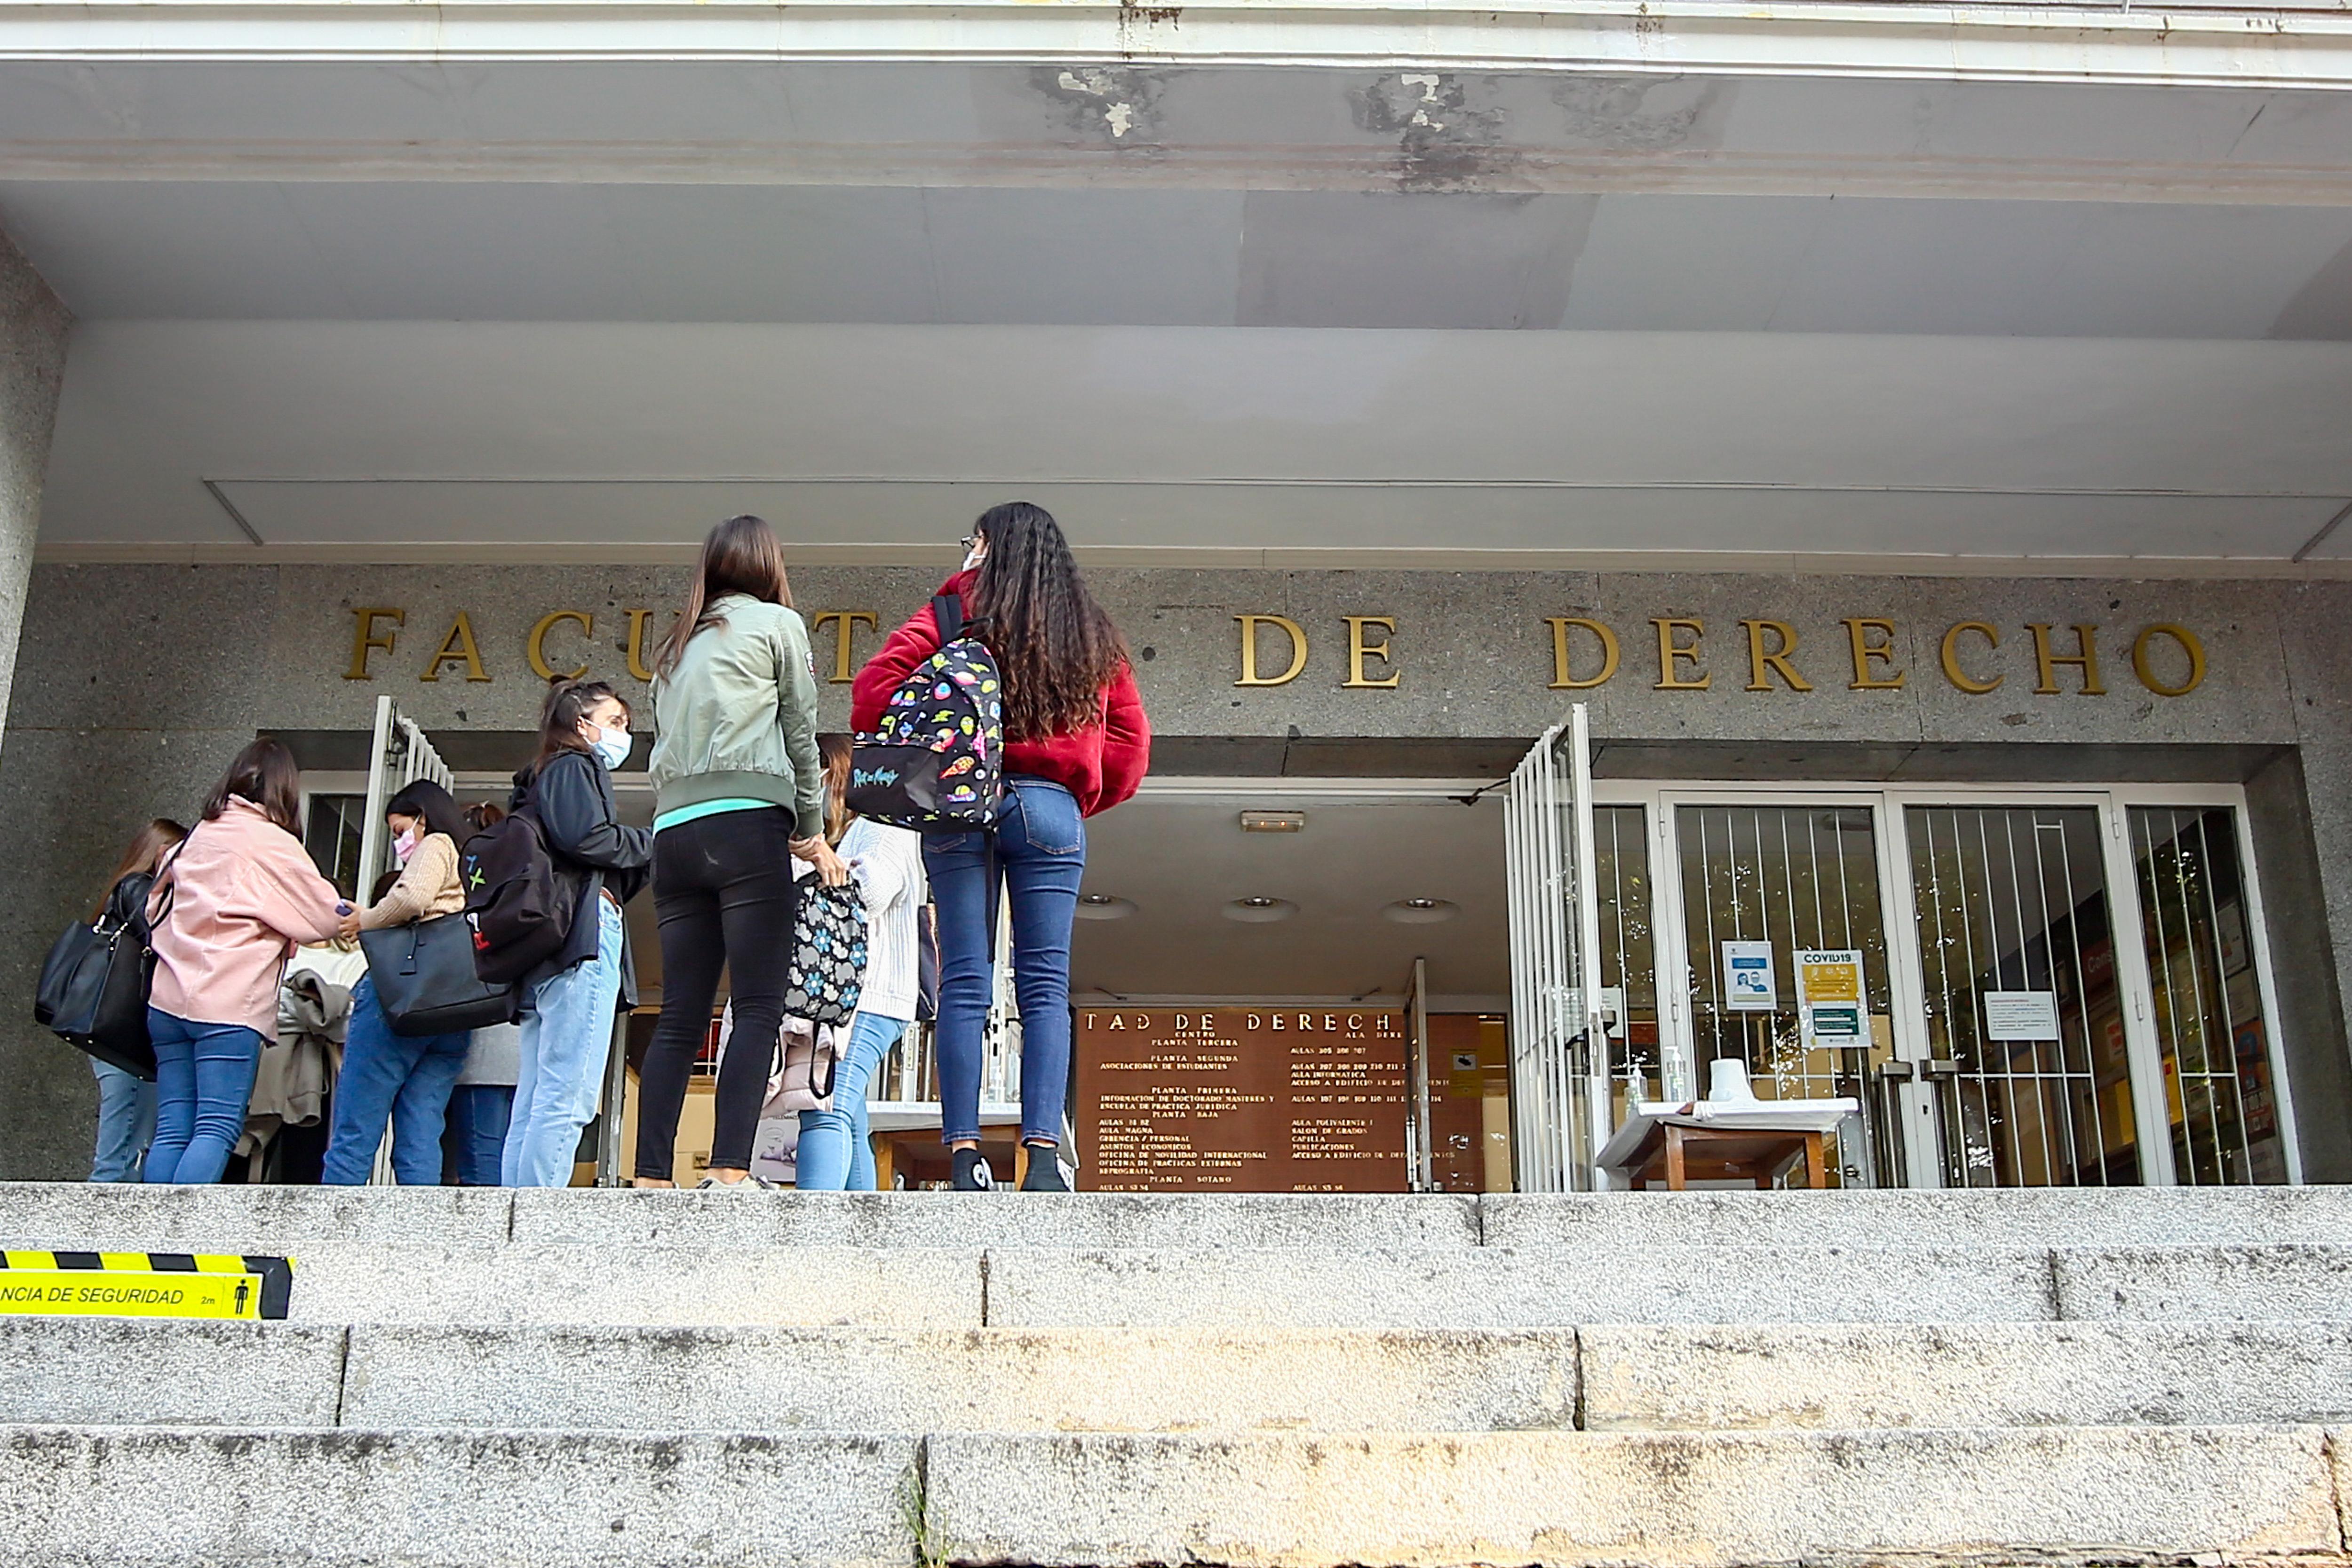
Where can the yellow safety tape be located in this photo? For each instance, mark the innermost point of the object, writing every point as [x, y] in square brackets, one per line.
[60, 1283]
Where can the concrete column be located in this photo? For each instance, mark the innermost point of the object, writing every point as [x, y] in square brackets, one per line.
[33, 323]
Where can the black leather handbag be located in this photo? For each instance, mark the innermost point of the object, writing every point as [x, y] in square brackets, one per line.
[94, 984]
[424, 978]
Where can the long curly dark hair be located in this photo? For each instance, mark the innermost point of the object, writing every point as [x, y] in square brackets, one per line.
[1056, 646]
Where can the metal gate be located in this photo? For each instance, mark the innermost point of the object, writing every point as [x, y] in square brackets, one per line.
[399, 757]
[1559, 1093]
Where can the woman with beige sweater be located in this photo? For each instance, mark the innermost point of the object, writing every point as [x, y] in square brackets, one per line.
[406, 1078]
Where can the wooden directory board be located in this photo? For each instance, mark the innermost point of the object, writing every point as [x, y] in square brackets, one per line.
[1240, 1100]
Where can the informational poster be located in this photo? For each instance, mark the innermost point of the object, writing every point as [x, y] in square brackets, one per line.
[1748, 982]
[2020, 1015]
[1240, 1100]
[1829, 995]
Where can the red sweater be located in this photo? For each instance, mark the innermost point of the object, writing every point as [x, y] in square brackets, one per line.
[1100, 764]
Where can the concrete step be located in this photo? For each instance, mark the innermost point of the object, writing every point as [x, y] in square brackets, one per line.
[1498, 1287]
[152, 1496]
[784, 1380]
[1621, 1377]
[1645, 1377]
[38, 1214]
[1697, 1500]
[1469, 1288]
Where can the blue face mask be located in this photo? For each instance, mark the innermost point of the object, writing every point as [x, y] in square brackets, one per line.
[613, 745]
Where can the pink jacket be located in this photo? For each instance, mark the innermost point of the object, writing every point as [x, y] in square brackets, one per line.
[245, 892]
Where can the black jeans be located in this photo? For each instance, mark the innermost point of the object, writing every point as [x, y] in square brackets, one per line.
[723, 893]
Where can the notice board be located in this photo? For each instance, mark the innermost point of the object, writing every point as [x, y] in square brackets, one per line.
[1240, 1100]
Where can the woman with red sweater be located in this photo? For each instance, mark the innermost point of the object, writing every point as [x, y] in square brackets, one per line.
[1075, 743]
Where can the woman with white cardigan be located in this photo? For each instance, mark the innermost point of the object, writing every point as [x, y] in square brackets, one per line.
[836, 1151]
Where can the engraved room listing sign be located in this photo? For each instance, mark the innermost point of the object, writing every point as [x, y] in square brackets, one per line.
[1240, 1100]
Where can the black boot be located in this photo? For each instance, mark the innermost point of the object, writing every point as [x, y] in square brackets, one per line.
[972, 1171]
[1044, 1173]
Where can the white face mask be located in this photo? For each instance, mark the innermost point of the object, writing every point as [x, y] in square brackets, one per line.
[974, 556]
[613, 745]
[405, 845]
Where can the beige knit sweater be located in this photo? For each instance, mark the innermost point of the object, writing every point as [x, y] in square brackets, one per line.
[427, 887]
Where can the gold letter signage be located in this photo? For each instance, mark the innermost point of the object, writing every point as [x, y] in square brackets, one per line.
[847, 620]
[364, 641]
[1952, 670]
[2189, 644]
[1868, 654]
[1250, 625]
[1359, 650]
[457, 647]
[1560, 679]
[534, 646]
[1673, 651]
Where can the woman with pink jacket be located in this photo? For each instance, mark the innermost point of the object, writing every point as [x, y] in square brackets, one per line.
[242, 892]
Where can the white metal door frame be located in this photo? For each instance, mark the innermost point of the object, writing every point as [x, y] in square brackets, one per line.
[2112, 804]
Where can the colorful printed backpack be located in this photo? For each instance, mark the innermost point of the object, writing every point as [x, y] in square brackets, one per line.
[827, 973]
[936, 763]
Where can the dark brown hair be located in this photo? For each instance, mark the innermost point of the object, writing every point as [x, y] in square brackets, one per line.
[1055, 647]
[482, 815]
[834, 747]
[741, 556]
[568, 701]
[424, 798]
[145, 852]
[263, 772]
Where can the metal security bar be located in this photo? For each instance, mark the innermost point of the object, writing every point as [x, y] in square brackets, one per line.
[1634, 1061]
[2024, 1013]
[400, 756]
[2212, 1032]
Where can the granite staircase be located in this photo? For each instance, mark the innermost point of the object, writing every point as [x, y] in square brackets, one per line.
[479, 1378]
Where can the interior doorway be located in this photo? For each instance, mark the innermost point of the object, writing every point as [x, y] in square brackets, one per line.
[1244, 977]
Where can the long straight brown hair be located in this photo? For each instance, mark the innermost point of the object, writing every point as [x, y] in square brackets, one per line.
[146, 852]
[832, 749]
[568, 701]
[742, 555]
[1056, 646]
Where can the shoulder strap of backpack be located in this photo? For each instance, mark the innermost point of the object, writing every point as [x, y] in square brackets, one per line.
[946, 610]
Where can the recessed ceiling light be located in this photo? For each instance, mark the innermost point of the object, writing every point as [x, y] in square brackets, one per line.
[1103, 906]
[1272, 821]
[1260, 909]
[1421, 911]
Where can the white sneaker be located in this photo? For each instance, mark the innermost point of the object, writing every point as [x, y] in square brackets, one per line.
[748, 1185]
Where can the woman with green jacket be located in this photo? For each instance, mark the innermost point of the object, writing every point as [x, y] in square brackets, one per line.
[738, 791]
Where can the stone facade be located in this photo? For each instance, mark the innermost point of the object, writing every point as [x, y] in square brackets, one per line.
[139, 680]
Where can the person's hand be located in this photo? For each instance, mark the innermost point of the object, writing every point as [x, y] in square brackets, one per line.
[819, 853]
[348, 928]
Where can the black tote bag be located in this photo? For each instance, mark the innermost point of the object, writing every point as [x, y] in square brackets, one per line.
[94, 984]
[424, 978]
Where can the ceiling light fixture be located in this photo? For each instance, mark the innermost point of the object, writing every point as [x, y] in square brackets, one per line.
[1260, 909]
[1104, 907]
[1272, 821]
[1421, 911]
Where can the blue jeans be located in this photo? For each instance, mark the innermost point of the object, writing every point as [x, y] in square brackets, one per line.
[126, 1122]
[837, 1153]
[479, 1114]
[404, 1077]
[1041, 858]
[567, 1037]
[204, 1081]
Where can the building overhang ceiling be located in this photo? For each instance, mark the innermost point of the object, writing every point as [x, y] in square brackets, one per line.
[1237, 283]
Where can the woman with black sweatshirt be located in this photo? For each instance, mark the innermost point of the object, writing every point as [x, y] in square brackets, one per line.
[567, 1026]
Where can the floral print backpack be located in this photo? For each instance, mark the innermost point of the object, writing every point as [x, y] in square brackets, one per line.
[936, 762]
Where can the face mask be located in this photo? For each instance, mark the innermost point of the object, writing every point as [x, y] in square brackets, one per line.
[613, 745]
[405, 845]
[972, 558]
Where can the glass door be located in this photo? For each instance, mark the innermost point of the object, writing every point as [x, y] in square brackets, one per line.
[2213, 1030]
[1786, 969]
[2029, 1044]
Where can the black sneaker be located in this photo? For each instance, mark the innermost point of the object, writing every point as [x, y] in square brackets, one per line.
[972, 1171]
[1044, 1173]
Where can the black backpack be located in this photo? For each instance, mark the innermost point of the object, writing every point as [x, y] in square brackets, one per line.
[936, 761]
[518, 904]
